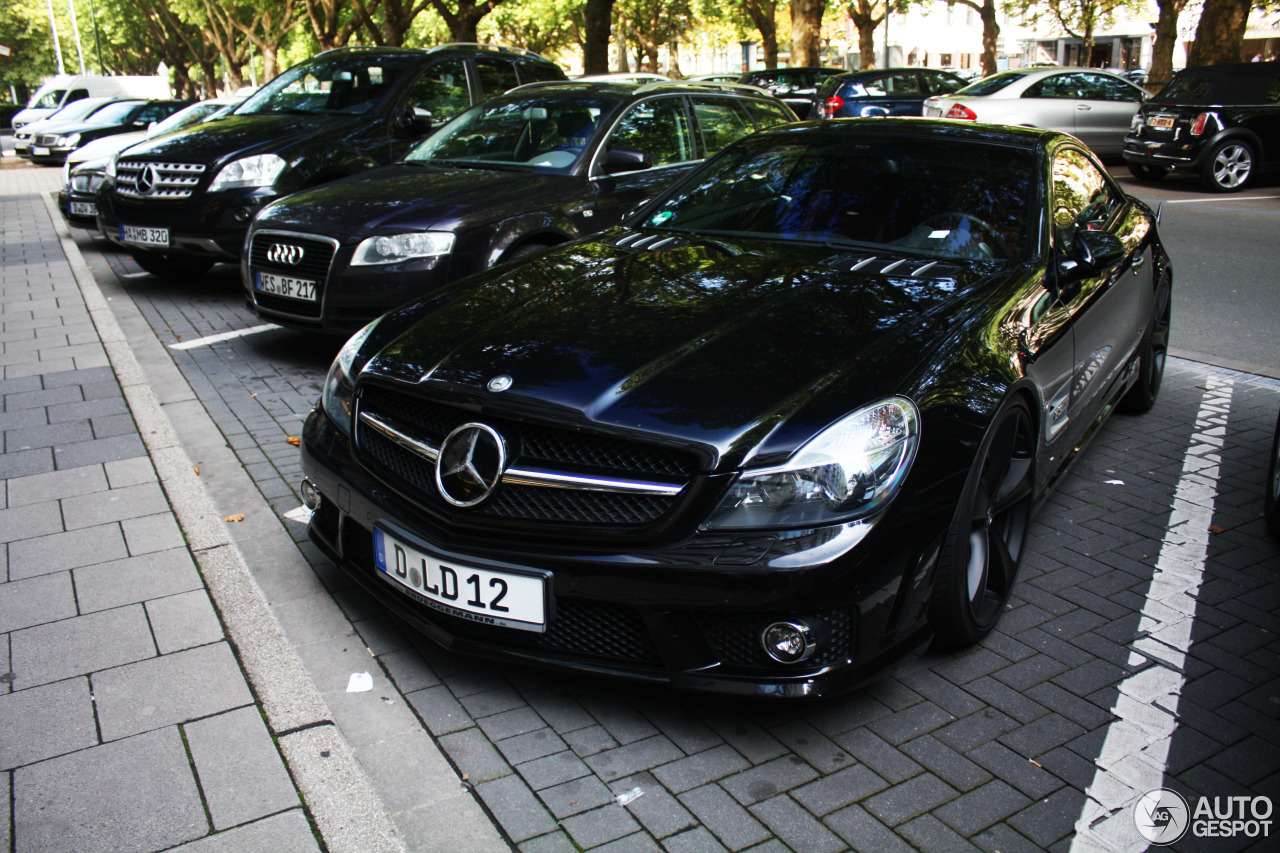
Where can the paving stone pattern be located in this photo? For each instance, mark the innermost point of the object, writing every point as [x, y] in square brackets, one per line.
[126, 722]
[989, 748]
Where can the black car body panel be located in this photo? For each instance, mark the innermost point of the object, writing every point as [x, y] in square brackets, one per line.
[634, 379]
[492, 208]
[1204, 108]
[163, 185]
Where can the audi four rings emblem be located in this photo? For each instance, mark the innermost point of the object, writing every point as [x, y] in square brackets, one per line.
[283, 253]
[147, 179]
[471, 462]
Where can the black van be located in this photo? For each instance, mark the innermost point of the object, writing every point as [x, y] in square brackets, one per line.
[184, 200]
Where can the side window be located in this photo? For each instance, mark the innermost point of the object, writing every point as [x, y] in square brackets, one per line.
[441, 93]
[75, 95]
[902, 84]
[1082, 198]
[1100, 87]
[154, 112]
[496, 76]
[941, 84]
[721, 122]
[1057, 86]
[767, 115]
[536, 72]
[658, 127]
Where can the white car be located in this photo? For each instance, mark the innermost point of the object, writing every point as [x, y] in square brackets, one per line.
[1096, 106]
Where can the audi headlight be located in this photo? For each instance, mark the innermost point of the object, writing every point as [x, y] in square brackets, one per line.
[849, 470]
[338, 399]
[260, 170]
[402, 247]
[69, 140]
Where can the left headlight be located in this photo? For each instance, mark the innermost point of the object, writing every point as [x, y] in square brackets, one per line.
[402, 247]
[849, 470]
[261, 170]
[338, 399]
[69, 140]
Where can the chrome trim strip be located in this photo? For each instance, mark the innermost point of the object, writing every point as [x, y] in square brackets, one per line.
[553, 479]
[915, 273]
[413, 445]
[893, 266]
[860, 264]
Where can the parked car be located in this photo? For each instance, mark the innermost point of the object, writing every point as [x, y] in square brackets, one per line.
[184, 201]
[515, 174]
[72, 112]
[795, 87]
[1272, 503]
[624, 77]
[51, 146]
[1094, 105]
[59, 91]
[786, 423]
[881, 92]
[104, 147]
[76, 198]
[1220, 122]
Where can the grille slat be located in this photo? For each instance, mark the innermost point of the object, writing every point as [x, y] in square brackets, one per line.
[172, 181]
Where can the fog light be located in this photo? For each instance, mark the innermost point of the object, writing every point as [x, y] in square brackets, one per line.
[310, 494]
[788, 642]
[243, 214]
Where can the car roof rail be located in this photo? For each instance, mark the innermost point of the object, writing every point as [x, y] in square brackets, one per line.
[740, 88]
[497, 48]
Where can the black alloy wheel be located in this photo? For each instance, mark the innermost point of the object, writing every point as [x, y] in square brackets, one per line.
[1272, 507]
[1229, 167]
[979, 561]
[163, 266]
[1151, 356]
[1143, 172]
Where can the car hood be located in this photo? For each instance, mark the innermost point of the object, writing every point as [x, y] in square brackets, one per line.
[404, 197]
[229, 138]
[715, 342]
[105, 147]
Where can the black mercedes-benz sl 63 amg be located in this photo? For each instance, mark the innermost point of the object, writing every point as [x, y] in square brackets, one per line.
[789, 421]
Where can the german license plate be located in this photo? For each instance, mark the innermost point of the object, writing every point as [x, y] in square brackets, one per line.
[478, 595]
[83, 208]
[1161, 122]
[39, 151]
[145, 236]
[283, 285]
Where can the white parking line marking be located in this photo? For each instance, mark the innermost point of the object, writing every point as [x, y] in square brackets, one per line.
[1136, 750]
[1233, 198]
[225, 336]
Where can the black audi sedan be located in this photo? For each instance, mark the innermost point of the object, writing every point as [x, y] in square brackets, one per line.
[786, 423]
[518, 173]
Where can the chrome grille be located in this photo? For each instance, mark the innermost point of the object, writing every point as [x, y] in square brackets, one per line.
[172, 181]
[47, 139]
[315, 254]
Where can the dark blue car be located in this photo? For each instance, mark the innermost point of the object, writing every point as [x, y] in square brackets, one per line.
[881, 92]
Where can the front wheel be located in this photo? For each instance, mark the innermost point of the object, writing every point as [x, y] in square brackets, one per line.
[1229, 167]
[1143, 172]
[1272, 510]
[1139, 399]
[979, 560]
[164, 266]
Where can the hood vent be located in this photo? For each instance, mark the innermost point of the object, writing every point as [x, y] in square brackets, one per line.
[901, 266]
[636, 240]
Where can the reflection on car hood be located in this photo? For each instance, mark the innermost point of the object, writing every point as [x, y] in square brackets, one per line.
[666, 341]
[105, 147]
[234, 136]
[416, 198]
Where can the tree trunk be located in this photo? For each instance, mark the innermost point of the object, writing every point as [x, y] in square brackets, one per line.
[866, 21]
[762, 14]
[598, 15]
[990, 37]
[806, 31]
[1166, 42]
[1220, 36]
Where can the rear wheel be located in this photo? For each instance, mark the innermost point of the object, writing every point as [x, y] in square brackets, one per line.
[1143, 172]
[1229, 167]
[1151, 357]
[979, 561]
[1273, 485]
[164, 266]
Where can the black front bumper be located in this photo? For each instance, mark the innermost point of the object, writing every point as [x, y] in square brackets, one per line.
[686, 613]
[210, 226]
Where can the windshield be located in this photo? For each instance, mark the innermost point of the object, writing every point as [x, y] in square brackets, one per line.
[536, 131]
[935, 197]
[187, 116]
[78, 109]
[994, 83]
[48, 100]
[345, 84]
[114, 113]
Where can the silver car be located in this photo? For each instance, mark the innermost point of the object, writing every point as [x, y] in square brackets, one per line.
[1096, 106]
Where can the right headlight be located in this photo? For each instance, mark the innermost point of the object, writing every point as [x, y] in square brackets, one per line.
[338, 399]
[401, 247]
[849, 470]
[260, 170]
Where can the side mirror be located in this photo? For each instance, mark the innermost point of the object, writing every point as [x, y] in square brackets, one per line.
[151, 126]
[624, 160]
[414, 123]
[1091, 253]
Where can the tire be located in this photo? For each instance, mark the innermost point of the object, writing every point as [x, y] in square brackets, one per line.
[984, 545]
[1143, 172]
[1272, 504]
[163, 266]
[1230, 166]
[523, 250]
[1151, 357]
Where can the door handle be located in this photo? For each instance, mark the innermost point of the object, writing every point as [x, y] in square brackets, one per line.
[1138, 263]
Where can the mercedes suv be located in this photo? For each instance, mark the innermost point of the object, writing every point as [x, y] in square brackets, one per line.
[184, 201]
